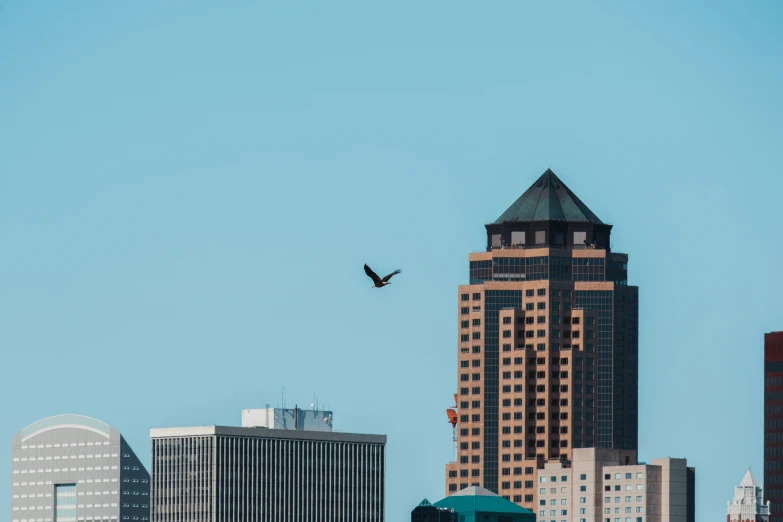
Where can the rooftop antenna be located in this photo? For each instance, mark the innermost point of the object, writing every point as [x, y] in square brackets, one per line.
[282, 398]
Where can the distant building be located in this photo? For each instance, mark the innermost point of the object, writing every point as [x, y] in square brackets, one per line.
[474, 504]
[426, 512]
[773, 423]
[748, 503]
[608, 485]
[70, 467]
[220, 473]
[287, 419]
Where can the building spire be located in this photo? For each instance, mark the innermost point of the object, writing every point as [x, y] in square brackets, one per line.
[748, 481]
[548, 199]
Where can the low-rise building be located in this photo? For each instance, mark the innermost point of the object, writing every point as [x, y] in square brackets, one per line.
[609, 485]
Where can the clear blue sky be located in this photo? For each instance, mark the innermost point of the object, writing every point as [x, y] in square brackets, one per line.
[188, 193]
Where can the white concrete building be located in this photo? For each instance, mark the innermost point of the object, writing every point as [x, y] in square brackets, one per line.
[748, 503]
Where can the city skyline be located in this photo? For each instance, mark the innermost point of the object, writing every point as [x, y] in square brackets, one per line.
[178, 186]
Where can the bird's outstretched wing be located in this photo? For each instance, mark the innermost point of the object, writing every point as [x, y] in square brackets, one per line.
[373, 275]
[385, 279]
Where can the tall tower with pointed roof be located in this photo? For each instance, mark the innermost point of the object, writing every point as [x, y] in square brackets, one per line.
[748, 503]
[547, 344]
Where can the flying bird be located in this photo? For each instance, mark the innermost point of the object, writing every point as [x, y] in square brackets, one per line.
[377, 282]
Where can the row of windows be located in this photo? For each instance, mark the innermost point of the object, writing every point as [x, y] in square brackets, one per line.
[63, 470]
[553, 491]
[66, 457]
[80, 506]
[619, 476]
[773, 465]
[65, 445]
[773, 381]
[628, 509]
[773, 424]
[617, 500]
[517, 484]
[618, 487]
[541, 268]
[97, 518]
[453, 487]
[773, 409]
[475, 459]
[80, 493]
[49, 482]
[773, 480]
[563, 512]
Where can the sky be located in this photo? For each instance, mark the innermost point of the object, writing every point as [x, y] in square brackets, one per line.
[189, 190]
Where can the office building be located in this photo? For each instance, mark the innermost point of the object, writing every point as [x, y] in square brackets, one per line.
[547, 344]
[426, 512]
[748, 502]
[773, 423]
[472, 504]
[606, 485]
[70, 468]
[221, 473]
[287, 419]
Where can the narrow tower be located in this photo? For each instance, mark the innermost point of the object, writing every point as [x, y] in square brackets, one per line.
[547, 344]
[773, 422]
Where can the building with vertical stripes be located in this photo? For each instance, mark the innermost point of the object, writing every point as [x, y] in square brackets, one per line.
[221, 474]
[71, 468]
[773, 423]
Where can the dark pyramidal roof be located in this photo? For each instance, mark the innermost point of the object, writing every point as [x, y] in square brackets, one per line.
[548, 199]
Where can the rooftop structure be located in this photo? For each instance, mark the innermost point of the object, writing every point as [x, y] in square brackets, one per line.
[287, 419]
[426, 512]
[548, 199]
[478, 504]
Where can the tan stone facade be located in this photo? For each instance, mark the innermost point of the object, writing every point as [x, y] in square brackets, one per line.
[544, 363]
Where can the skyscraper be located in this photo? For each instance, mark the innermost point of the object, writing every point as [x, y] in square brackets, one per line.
[547, 344]
[773, 423]
[70, 467]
